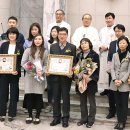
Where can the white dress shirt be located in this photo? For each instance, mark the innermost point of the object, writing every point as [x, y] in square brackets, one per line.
[62, 24]
[86, 32]
[11, 49]
[107, 35]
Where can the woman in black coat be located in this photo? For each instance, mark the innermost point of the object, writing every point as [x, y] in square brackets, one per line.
[12, 80]
[88, 52]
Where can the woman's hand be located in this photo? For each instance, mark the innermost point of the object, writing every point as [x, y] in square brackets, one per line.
[118, 82]
[39, 72]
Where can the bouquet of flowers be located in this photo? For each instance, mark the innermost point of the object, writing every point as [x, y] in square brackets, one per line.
[82, 71]
[31, 69]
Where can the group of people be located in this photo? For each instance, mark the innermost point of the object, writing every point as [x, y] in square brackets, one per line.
[109, 49]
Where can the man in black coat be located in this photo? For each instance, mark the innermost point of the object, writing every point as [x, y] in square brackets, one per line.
[12, 22]
[119, 31]
[61, 84]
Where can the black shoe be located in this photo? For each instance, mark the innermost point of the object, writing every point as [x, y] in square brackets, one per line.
[80, 123]
[65, 124]
[105, 92]
[29, 120]
[121, 126]
[116, 126]
[55, 122]
[36, 121]
[89, 124]
[10, 119]
[110, 115]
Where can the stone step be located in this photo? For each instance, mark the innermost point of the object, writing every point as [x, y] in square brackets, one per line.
[76, 97]
[101, 101]
[74, 116]
[73, 95]
[101, 108]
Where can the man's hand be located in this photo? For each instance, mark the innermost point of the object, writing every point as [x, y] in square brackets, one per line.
[70, 76]
[14, 73]
[46, 73]
[103, 48]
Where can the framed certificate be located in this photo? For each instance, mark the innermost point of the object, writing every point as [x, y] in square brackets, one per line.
[7, 63]
[59, 64]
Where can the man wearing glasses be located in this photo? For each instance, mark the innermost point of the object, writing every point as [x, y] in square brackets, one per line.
[59, 16]
[86, 31]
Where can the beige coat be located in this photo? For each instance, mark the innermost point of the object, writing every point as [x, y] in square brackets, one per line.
[31, 85]
[120, 71]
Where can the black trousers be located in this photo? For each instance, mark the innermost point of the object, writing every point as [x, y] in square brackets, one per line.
[112, 104]
[6, 81]
[85, 115]
[61, 88]
[121, 99]
[111, 99]
[49, 90]
[33, 101]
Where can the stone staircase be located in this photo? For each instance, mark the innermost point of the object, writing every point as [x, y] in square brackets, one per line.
[101, 101]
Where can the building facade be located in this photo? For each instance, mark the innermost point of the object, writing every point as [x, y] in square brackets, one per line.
[28, 11]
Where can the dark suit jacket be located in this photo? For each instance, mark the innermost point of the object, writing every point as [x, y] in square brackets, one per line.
[69, 50]
[20, 39]
[92, 85]
[18, 51]
[112, 50]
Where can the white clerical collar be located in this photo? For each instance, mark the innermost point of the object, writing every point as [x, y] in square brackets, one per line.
[86, 27]
[58, 24]
[110, 27]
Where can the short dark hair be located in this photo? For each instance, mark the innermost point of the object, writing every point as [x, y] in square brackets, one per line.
[63, 29]
[61, 11]
[12, 30]
[86, 40]
[126, 39]
[85, 15]
[120, 26]
[110, 14]
[14, 18]
[30, 38]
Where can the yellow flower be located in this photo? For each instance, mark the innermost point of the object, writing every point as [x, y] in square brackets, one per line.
[76, 72]
[18, 52]
[68, 50]
[88, 65]
[126, 59]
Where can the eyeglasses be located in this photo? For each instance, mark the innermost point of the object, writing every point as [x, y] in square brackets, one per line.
[86, 18]
[62, 34]
[59, 14]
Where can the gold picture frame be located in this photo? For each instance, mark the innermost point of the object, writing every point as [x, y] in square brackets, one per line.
[59, 64]
[7, 63]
